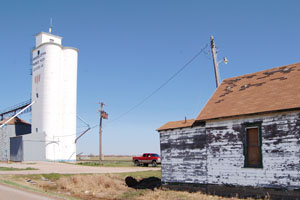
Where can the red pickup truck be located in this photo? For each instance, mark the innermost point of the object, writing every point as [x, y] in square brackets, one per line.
[147, 158]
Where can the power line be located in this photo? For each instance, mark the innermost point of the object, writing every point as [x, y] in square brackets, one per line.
[159, 88]
[80, 118]
[65, 135]
[162, 85]
[155, 91]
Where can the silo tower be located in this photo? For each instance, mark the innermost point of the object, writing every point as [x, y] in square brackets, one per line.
[54, 90]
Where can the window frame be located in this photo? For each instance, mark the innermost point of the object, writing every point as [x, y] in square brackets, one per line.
[245, 146]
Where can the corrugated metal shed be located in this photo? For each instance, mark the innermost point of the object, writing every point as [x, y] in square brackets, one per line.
[12, 132]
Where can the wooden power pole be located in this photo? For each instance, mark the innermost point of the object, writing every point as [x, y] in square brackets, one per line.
[103, 115]
[216, 67]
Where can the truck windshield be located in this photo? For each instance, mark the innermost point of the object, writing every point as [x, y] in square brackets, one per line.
[155, 155]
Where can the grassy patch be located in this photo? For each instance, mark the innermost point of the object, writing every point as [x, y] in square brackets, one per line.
[51, 177]
[108, 163]
[106, 158]
[54, 176]
[139, 175]
[16, 169]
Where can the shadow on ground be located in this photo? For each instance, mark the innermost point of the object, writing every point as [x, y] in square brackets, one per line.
[145, 183]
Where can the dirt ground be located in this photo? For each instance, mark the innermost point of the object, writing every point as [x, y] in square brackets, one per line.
[66, 168]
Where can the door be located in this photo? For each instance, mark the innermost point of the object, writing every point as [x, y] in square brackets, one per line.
[16, 149]
[253, 148]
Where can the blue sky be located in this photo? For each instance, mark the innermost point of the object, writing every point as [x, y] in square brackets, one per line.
[127, 49]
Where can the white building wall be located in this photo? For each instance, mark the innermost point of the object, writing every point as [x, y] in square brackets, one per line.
[43, 37]
[69, 102]
[52, 114]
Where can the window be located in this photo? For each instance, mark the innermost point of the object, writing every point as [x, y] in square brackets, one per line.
[252, 146]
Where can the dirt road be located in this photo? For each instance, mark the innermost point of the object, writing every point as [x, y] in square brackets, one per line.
[65, 168]
[17, 194]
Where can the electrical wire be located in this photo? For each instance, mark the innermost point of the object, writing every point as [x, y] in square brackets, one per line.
[152, 93]
[65, 135]
[161, 86]
[76, 133]
[81, 119]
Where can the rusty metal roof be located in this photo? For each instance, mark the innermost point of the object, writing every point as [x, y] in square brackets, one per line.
[14, 121]
[177, 124]
[270, 90]
[265, 91]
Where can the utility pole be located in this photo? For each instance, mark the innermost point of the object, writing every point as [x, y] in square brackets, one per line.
[103, 115]
[216, 64]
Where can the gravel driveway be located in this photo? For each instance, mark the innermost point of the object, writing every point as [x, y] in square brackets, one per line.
[65, 168]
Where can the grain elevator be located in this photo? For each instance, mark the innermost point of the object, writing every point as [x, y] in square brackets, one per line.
[54, 91]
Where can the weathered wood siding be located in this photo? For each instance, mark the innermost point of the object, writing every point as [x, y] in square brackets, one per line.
[214, 154]
[183, 155]
[280, 152]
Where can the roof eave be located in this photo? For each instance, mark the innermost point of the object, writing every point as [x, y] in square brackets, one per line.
[248, 114]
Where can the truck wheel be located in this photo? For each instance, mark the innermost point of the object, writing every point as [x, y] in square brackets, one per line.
[154, 164]
[136, 163]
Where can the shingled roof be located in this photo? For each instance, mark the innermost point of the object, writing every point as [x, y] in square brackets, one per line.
[270, 90]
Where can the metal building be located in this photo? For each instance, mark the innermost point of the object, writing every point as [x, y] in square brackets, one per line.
[11, 144]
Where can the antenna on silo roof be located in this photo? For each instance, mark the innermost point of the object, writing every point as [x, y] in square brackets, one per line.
[50, 28]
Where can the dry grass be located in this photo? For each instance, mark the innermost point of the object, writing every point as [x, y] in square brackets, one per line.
[119, 158]
[106, 186]
[90, 186]
[113, 187]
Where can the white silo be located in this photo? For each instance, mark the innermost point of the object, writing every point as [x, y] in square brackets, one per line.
[54, 89]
